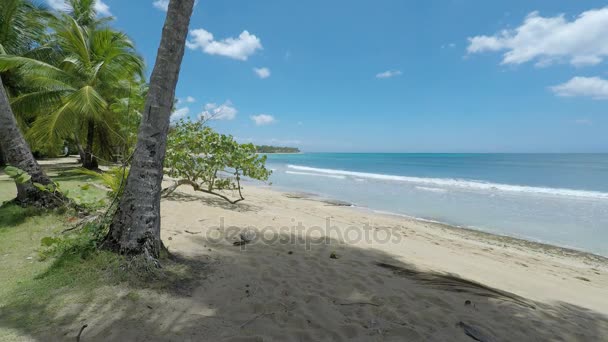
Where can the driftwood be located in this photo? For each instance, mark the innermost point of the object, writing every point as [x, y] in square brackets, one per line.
[168, 191]
[256, 317]
[473, 332]
[80, 332]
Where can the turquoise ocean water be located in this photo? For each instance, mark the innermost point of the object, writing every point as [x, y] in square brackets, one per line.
[560, 199]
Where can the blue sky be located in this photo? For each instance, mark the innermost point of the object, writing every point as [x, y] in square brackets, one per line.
[392, 75]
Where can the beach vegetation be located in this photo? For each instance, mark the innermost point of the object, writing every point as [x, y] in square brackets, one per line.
[68, 92]
[210, 162]
[276, 149]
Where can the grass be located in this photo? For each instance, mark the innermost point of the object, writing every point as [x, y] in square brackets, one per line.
[40, 295]
[25, 280]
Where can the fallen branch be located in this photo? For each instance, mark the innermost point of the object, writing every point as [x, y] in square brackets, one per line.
[256, 317]
[168, 191]
[81, 223]
[80, 332]
[473, 332]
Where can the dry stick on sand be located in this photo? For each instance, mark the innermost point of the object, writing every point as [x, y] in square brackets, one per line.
[80, 332]
[256, 317]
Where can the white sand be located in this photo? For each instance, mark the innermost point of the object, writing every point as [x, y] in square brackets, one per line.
[283, 291]
[263, 292]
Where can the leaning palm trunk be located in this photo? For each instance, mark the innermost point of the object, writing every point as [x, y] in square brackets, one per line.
[135, 228]
[17, 153]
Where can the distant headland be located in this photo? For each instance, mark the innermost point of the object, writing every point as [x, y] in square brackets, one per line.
[276, 149]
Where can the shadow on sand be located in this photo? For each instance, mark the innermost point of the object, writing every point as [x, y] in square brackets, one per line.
[288, 292]
[212, 201]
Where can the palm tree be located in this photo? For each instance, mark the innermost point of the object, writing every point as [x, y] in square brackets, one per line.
[135, 228]
[21, 24]
[83, 11]
[18, 154]
[72, 98]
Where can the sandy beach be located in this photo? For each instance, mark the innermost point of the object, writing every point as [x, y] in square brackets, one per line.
[320, 270]
[423, 284]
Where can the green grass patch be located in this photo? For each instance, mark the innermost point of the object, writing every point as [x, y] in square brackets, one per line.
[51, 280]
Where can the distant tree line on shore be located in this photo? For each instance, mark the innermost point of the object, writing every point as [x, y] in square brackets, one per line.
[276, 149]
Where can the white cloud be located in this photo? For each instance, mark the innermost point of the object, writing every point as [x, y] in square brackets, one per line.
[102, 8]
[581, 42]
[262, 72]
[594, 87]
[212, 111]
[263, 119]
[60, 5]
[162, 5]
[180, 113]
[190, 99]
[388, 74]
[245, 45]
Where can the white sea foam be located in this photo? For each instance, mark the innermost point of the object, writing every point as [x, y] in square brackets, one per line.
[314, 174]
[424, 188]
[451, 183]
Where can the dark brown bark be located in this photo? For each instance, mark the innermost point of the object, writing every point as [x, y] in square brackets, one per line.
[196, 187]
[89, 161]
[135, 228]
[2, 161]
[18, 154]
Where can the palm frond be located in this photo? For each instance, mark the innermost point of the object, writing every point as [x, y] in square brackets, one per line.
[29, 67]
[49, 130]
[36, 103]
[87, 103]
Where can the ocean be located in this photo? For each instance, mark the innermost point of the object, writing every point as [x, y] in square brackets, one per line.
[559, 199]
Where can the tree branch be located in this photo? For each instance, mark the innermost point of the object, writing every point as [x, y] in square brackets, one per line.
[168, 191]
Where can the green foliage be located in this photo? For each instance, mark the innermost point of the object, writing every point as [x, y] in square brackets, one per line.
[211, 160]
[114, 179]
[82, 243]
[276, 149]
[22, 26]
[18, 175]
[82, 195]
[128, 112]
[78, 71]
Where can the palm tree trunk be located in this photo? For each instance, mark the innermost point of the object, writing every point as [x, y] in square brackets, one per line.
[79, 147]
[18, 154]
[135, 228]
[2, 161]
[89, 161]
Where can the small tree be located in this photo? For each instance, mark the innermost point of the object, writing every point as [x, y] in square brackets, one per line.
[210, 162]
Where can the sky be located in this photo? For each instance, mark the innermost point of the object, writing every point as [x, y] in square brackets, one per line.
[390, 75]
